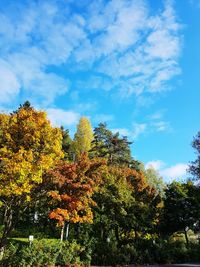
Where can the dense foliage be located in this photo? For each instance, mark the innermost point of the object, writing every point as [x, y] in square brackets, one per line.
[99, 204]
[195, 165]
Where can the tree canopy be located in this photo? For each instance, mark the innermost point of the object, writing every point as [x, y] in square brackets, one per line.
[29, 146]
[49, 180]
[195, 165]
[83, 137]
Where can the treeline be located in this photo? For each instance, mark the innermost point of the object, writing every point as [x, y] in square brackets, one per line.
[91, 192]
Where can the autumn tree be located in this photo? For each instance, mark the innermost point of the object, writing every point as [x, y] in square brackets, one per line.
[83, 137]
[74, 185]
[29, 146]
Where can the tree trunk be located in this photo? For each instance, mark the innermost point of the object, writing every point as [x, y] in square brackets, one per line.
[62, 233]
[186, 236]
[67, 231]
[101, 231]
[117, 233]
[8, 216]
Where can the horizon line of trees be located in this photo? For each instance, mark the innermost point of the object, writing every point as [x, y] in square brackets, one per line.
[89, 189]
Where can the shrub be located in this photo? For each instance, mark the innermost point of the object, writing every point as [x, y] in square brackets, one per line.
[43, 253]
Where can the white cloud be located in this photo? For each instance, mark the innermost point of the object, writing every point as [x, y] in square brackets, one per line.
[174, 172]
[9, 84]
[177, 171]
[121, 44]
[160, 39]
[147, 127]
[151, 124]
[156, 122]
[149, 65]
[121, 131]
[123, 28]
[60, 117]
[156, 115]
[156, 164]
[39, 38]
[138, 129]
[161, 126]
[48, 85]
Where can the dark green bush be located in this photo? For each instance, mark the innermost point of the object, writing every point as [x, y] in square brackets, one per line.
[43, 253]
[53, 253]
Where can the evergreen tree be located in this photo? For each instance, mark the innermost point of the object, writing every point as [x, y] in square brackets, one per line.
[66, 143]
[111, 146]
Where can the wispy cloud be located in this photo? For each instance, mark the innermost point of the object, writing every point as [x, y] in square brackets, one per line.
[121, 44]
[62, 117]
[151, 124]
[158, 115]
[161, 126]
[9, 85]
[138, 129]
[122, 131]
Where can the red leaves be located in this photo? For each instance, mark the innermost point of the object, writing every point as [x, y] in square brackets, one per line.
[74, 185]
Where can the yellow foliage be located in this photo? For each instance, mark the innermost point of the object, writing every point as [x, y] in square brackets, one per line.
[29, 145]
[83, 137]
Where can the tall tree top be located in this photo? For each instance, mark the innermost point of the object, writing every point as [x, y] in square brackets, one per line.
[111, 146]
[83, 136]
[29, 145]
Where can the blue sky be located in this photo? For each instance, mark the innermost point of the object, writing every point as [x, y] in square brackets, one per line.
[131, 63]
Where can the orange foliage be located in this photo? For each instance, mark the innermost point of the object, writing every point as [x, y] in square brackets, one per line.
[74, 185]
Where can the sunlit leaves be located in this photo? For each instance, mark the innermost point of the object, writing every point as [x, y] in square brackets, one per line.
[29, 145]
[74, 185]
[83, 137]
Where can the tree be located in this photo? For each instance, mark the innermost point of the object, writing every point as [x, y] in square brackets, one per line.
[111, 146]
[112, 200]
[126, 208]
[66, 144]
[74, 185]
[181, 210]
[155, 181]
[195, 165]
[83, 137]
[29, 146]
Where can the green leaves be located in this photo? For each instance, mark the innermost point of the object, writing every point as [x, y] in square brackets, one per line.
[111, 146]
[194, 167]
